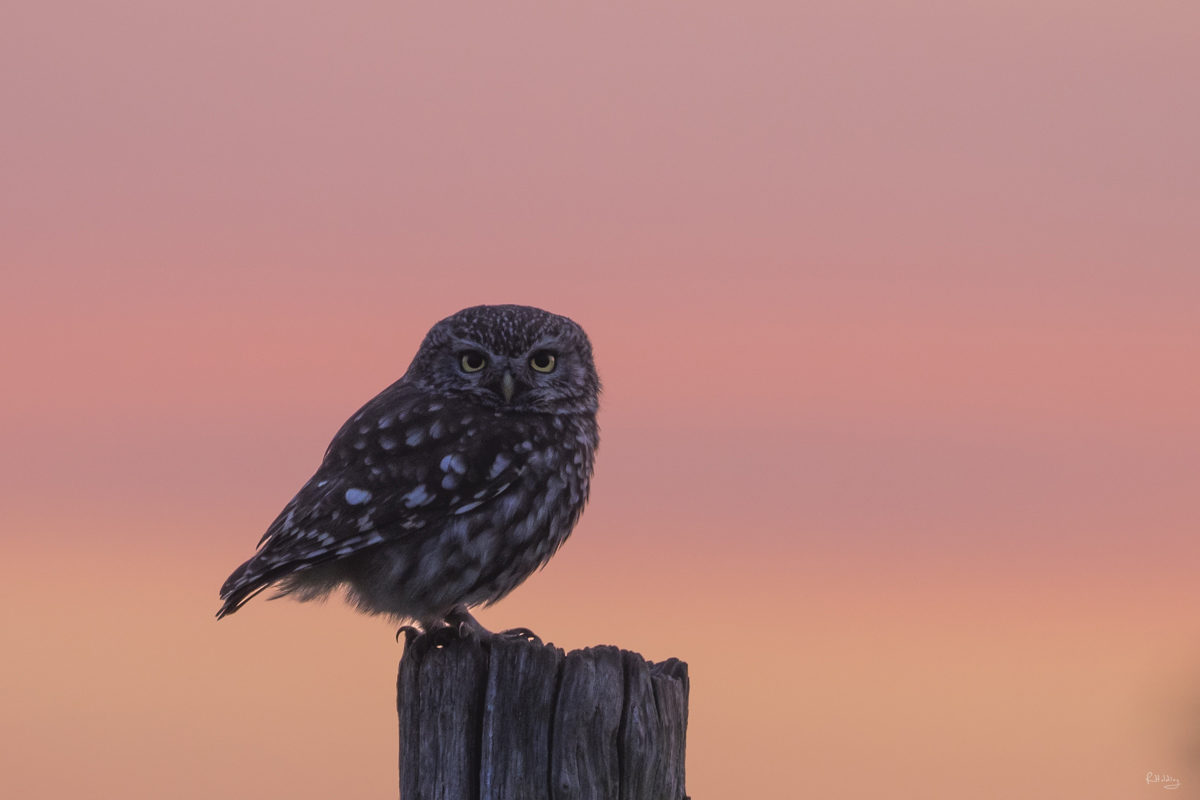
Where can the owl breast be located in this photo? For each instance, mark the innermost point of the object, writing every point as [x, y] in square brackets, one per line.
[479, 556]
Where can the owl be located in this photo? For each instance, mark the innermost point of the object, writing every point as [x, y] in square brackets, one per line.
[450, 487]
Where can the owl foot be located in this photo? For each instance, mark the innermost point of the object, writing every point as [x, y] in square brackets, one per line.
[462, 620]
[412, 631]
[521, 633]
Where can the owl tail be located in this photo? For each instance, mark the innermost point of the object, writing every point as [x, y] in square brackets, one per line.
[240, 587]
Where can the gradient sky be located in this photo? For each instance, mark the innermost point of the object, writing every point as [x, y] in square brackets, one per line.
[897, 308]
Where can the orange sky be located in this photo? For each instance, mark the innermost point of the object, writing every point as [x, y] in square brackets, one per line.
[896, 305]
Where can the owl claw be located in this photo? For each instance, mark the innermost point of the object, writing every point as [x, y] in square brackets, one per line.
[521, 633]
[461, 624]
[445, 635]
[462, 621]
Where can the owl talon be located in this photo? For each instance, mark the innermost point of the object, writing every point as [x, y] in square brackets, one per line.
[462, 621]
[521, 633]
[464, 624]
[409, 632]
[445, 635]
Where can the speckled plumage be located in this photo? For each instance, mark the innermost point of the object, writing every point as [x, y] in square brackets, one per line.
[450, 487]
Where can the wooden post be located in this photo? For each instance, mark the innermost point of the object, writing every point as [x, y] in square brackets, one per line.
[519, 720]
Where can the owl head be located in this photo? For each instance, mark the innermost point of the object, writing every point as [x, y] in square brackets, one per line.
[510, 358]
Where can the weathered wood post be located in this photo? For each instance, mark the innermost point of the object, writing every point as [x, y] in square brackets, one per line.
[519, 720]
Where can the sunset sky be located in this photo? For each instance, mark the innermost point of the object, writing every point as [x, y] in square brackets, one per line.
[896, 305]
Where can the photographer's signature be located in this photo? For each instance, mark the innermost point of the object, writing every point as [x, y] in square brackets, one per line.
[1166, 780]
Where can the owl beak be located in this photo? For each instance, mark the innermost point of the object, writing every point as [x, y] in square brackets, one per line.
[507, 386]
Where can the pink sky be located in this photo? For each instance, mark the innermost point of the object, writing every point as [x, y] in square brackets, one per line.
[897, 306]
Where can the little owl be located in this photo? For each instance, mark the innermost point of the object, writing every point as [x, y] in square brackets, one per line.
[453, 485]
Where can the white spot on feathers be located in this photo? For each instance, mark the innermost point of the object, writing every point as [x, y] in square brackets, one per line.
[417, 497]
[357, 497]
[499, 465]
[454, 463]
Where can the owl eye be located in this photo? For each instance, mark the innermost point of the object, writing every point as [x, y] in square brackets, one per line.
[542, 362]
[472, 361]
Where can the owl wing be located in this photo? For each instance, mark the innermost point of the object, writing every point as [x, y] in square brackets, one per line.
[392, 469]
